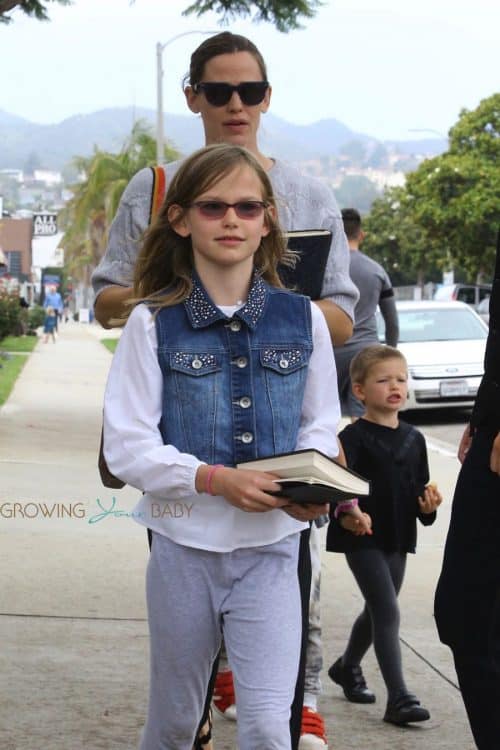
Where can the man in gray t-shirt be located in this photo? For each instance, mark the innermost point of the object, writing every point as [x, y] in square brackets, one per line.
[375, 290]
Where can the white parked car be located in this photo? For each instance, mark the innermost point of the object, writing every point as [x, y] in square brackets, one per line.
[444, 345]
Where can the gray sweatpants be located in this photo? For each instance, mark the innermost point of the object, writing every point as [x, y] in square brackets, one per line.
[314, 653]
[252, 596]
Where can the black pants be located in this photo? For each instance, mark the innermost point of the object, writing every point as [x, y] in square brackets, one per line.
[467, 603]
[304, 575]
[379, 576]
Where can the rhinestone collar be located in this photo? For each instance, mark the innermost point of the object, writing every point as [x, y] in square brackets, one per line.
[202, 312]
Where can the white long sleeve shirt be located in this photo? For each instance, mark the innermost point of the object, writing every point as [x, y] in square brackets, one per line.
[135, 451]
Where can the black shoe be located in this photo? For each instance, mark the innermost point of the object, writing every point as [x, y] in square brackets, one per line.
[405, 710]
[351, 679]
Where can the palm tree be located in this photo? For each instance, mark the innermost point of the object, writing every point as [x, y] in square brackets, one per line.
[87, 216]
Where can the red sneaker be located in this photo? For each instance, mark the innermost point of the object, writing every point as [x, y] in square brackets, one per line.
[312, 731]
[224, 699]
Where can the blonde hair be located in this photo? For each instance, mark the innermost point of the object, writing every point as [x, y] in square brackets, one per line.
[370, 356]
[165, 262]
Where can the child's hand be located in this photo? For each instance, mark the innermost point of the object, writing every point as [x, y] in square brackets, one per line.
[246, 489]
[306, 512]
[432, 499]
[358, 524]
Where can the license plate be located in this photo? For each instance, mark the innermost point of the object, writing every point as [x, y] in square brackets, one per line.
[453, 388]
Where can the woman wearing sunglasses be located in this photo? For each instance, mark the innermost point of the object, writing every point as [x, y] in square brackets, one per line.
[228, 86]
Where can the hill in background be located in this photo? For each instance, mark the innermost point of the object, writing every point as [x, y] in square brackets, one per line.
[54, 146]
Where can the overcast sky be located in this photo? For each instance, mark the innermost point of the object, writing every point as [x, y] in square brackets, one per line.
[383, 67]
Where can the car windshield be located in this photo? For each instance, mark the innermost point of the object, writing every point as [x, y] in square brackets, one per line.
[439, 325]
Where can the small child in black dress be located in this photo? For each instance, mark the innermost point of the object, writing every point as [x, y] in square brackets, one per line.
[393, 456]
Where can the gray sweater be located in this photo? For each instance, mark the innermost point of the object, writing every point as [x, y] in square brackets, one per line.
[303, 203]
[375, 290]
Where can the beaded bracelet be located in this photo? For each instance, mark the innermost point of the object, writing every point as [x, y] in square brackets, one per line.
[345, 506]
[210, 474]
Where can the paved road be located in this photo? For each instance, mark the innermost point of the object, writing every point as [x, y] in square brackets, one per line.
[445, 426]
[74, 656]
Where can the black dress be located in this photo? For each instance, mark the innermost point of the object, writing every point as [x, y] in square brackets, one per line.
[395, 462]
[467, 604]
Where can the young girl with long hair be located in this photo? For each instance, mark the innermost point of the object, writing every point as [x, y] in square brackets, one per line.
[218, 364]
[228, 87]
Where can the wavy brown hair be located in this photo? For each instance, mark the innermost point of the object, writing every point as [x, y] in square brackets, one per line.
[225, 43]
[165, 263]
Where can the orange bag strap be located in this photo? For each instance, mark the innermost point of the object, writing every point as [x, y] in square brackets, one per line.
[158, 192]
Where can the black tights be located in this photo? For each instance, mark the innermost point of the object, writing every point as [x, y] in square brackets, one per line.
[379, 576]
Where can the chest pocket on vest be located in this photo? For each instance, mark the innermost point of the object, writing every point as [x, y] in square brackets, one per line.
[196, 365]
[190, 401]
[284, 361]
[285, 373]
[194, 382]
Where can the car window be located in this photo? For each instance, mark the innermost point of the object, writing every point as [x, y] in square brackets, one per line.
[466, 295]
[439, 325]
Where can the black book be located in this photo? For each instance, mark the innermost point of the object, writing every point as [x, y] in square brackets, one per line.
[313, 247]
[308, 476]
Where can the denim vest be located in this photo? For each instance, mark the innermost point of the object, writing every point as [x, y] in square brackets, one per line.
[233, 387]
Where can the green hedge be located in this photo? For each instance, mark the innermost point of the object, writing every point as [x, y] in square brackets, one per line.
[10, 314]
[16, 320]
[35, 317]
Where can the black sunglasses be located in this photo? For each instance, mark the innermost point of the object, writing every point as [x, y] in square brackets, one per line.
[219, 94]
[218, 209]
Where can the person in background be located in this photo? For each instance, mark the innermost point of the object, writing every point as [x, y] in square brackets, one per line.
[228, 87]
[49, 325]
[393, 456]
[219, 365]
[54, 300]
[467, 602]
[375, 291]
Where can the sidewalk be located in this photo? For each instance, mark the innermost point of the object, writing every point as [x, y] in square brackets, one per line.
[74, 661]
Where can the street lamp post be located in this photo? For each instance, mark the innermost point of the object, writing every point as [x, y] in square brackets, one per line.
[159, 89]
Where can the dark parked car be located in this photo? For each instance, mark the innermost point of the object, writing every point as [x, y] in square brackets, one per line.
[471, 294]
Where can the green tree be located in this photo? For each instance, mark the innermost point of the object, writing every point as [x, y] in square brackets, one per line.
[398, 242]
[478, 130]
[447, 215]
[35, 8]
[86, 218]
[457, 194]
[284, 14]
